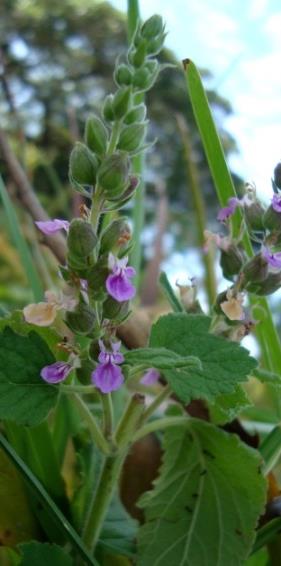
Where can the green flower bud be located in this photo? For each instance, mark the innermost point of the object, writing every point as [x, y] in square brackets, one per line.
[137, 56]
[272, 219]
[115, 236]
[277, 175]
[84, 371]
[107, 110]
[266, 287]
[123, 75]
[113, 174]
[152, 27]
[152, 66]
[83, 165]
[231, 261]
[132, 136]
[137, 114]
[96, 135]
[154, 46]
[144, 79]
[96, 280]
[121, 102]
[254, 216]
[255, 270]
[113, 310]
[81, 239]
[82, 320]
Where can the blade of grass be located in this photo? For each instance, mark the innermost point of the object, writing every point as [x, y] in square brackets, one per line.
[168, 291]
[48, 503]
[21, 245]
[270, 449]
[266, 332]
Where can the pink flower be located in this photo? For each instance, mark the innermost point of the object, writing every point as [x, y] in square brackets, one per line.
[56, 372]
[118, 284]
[273, 259]
[228, 210]
[108, 376]
[52, 226]
[150, 377]
[276, 202]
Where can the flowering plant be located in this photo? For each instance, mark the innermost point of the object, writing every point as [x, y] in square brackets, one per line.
[73, 389]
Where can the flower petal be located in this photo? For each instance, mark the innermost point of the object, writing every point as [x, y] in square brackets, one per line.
[56, 372]
[107, 377]
[273, 259]
[50, 227]
[150, 377]
[41, 314]
[228, 210]
[119, 287]
[276, 202]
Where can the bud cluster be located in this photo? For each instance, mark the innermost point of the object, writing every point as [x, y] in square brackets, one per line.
[98, 244]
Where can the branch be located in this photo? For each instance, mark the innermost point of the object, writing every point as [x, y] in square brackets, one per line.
[28, 198]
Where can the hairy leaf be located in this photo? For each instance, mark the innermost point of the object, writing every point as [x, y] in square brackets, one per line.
[229, 405]
[43, 555]
[24, 396]
[160, 358]
[205, 505]
[119, 530]
[224, 363]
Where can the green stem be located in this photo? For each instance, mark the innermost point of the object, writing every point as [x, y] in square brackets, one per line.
[83, 389]
[107, 415]
[111, 472]
[164, 394]
[160, 424]
[267, 533]
[114, 137]
[94, 429]
[133, 17]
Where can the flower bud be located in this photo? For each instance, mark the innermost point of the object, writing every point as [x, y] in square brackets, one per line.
[83, 165]
[114, 310]
[132, 136]
[272, 219]
[113, 175]
[137, 56]
[96, 280]
[107, 110]
[137, 114]
[152, 27]
[231, 261]
[144, 79]
[123, 75]
[155, 45]
[255, 270]
[117, 233]
[96, 135]
[82, 320]
[277, 175]
[84, 372]
[254, 212]
[121, 102]
[266, 287]
[81, 239]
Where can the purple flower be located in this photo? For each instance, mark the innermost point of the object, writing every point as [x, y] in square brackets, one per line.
[150, 377]
[52, 226]
[228, 210]
[108, 376]
[276, 202]
[56, 372]
[273, 259]
[118, 284]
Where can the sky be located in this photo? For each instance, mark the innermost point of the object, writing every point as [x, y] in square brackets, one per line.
[240, 43]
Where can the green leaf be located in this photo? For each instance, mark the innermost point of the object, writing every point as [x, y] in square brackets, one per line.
[228, 406]
[58, 519]
[169, 292]
[22, 247]
[259, 559]
[17, 522]
[24, 396]
[224, 363]
[206, 502]
[119, 530]
[160, 358]
[16, 321]
[43, 555]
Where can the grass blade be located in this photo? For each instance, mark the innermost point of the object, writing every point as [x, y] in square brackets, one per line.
[168, 291]
[21, 245]
[48, 503]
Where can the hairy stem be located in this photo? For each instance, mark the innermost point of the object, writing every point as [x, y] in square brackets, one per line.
[94, 429]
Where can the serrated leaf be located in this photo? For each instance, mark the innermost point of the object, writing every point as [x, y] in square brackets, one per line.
[119, 530]
[159, 358]
[224, 363]
[228, 406]
[16, 321]
[24, 397]
[43, 555]
[205, 504]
